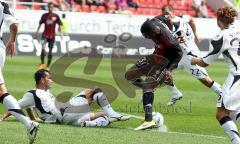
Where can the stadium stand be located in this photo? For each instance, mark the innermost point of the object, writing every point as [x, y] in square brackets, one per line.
[136, 7]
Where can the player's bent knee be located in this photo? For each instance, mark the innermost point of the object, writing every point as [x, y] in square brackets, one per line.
[221, 113]
[89, 93]
[96, 90]
[3, 89]
[3, 96]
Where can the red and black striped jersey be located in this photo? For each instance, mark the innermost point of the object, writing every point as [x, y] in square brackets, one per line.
[50, 21]
[166, 45]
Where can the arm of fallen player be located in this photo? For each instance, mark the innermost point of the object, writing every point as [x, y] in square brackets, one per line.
[31, 114]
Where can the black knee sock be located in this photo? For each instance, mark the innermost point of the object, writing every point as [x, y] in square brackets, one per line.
[148, 98]
[49, 59]
[43, 53]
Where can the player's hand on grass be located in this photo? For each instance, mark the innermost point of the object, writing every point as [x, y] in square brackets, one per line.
[39, 120]
[10, 48]
[2, 118]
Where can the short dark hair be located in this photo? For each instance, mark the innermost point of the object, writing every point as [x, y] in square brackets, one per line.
[63, 15]
[154, 25]
[50, 3]
[39, 74]
[169, 7]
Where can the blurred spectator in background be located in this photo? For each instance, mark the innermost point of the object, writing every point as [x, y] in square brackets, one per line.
[78, 1]
[203, 9]
[63, 5]
[95, 2]
[196, 7]
[111, 7]
[122, 7]
[200, 8]
[183, 2]
[65, 25]
[121, 4]
[124, 10]
[131, 3]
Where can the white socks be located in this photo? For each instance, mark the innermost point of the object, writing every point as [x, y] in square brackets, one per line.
[101, 121]
[103, 103]
[12, 105]
[217, 88]
[174, 90]
[231, 129]
[235, 115]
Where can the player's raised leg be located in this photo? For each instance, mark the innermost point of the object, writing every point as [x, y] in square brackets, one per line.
[12, 105]
[175, 96]
[5, 98]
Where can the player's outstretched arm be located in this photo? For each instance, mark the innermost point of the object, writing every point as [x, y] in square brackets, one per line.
[193, 26]
[10, 46]
[31, 114]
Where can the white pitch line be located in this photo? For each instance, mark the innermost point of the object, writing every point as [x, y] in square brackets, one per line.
[192, 134]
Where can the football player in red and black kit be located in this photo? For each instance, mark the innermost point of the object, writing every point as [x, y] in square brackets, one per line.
[50, 20]
[156, 67]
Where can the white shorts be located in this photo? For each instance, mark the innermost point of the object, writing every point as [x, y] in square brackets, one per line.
[75, 118]
[79, 99]
[195, 70]
[2, 61]
[81, 111]
[230, 98]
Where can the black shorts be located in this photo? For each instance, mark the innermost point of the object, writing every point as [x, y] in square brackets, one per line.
[50, 42]
[152, 63]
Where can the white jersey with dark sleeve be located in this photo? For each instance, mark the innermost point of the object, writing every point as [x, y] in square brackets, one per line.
[227, 42]
[44, 102]
[182, 28]
[6, 16]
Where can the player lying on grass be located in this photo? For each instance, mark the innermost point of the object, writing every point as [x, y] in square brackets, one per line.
[157, 67]
[184, 27]
[75, 112]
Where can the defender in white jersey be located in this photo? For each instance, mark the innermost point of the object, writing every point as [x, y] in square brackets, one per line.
[7, 18]
[75, 112]
[184, 26]
[227, 42]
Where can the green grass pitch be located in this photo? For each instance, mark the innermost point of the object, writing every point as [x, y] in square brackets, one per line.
[190, 121]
